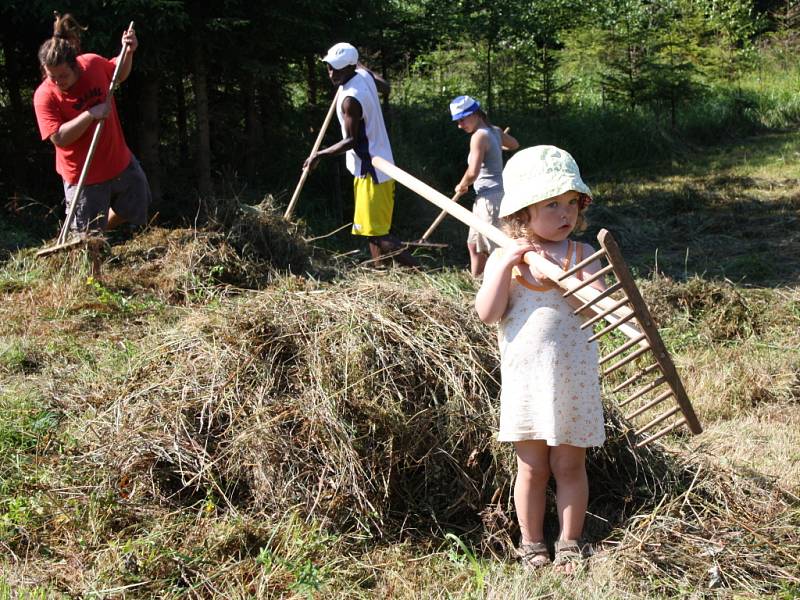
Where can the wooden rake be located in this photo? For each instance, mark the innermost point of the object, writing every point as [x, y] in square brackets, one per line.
[423, 241]
[317, 143]
[620, 305]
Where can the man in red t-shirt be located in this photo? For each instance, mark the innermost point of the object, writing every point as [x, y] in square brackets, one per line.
[68, 104]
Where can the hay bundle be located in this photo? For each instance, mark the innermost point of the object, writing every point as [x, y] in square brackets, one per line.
[716, 310]
[244, 247]
[177, 263]
[358, 403]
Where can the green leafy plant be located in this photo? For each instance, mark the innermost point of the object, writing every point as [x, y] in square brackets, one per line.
[461, 554]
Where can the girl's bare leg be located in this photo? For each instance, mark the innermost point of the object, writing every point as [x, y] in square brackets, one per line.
[533, 473]
[568, 464]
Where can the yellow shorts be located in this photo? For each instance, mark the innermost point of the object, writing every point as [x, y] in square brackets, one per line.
[374, 206]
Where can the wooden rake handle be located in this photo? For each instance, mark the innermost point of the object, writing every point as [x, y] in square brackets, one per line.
[92, 147]
[439, 219]
[585, 295]
[290, 209]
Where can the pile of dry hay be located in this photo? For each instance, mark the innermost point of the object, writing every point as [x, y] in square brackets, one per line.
[370, 405]
[364, 403]
[243, 247]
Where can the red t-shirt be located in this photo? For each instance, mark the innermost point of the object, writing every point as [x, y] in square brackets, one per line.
[54, 107]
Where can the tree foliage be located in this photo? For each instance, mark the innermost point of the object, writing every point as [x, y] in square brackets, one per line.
[230, 93]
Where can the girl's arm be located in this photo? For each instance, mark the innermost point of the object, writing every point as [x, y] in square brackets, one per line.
[491, 301]
[477, 149]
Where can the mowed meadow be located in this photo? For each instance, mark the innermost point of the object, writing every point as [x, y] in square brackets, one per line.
[234, 412]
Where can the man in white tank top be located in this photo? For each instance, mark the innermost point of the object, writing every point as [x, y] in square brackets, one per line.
[364, 136]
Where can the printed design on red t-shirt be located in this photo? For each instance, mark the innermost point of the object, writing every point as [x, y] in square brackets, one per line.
[95, 92]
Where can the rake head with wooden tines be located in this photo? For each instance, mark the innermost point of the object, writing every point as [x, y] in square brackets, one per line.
[659, 380]
[620, 304]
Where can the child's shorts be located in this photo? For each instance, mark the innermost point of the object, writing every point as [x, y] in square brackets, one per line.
[128, 194]
[487, 209]
[374, 206]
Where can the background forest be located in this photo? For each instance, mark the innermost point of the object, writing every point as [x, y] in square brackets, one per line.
[226, 97]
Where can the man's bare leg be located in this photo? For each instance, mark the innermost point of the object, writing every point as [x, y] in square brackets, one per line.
[390, 244]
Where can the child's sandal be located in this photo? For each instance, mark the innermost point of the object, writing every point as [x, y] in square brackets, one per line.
[534, 555]
[568, 552]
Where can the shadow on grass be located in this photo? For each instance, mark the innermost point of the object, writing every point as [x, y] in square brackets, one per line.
[741, 229]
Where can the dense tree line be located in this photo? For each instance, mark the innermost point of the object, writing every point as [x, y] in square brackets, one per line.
[231, 92]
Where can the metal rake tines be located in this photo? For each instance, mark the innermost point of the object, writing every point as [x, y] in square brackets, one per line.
[622, 306]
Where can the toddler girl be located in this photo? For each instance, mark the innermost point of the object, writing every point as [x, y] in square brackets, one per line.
[550, 405]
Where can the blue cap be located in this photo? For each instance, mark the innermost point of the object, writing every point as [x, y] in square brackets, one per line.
[463, 106]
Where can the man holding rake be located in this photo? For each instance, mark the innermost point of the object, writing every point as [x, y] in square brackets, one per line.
[70, 103]
[364, 136]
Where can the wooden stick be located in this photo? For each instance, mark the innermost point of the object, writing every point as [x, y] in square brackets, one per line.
[439, 219]
[621, 349]
[611, 327]
[634, 377]
[626, 360]
[658, 419]
[662, 433]
[641, 392]
[62, 237]
[77, 241]
[586, 261]
[606, 293]
[611, 310]
[290, 209]
[585, 282]
[649, 405]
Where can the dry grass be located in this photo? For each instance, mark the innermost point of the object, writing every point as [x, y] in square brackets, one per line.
[355, 403]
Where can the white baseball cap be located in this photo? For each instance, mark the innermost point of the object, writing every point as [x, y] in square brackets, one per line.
[341, 55]
[463, 106]
[538, 173]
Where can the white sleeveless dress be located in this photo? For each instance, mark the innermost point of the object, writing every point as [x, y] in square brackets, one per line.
[550, 383]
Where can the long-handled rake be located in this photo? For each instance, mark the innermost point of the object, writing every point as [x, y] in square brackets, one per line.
[290, 209]
[61, 242]
[620, 304]
[423, 241]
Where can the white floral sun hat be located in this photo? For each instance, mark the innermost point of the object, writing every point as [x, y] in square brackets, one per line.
[538, 173]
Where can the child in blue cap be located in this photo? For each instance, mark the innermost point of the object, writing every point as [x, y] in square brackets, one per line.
[484, 173]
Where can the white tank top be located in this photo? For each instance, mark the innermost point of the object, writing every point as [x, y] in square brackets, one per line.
[372, 137]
